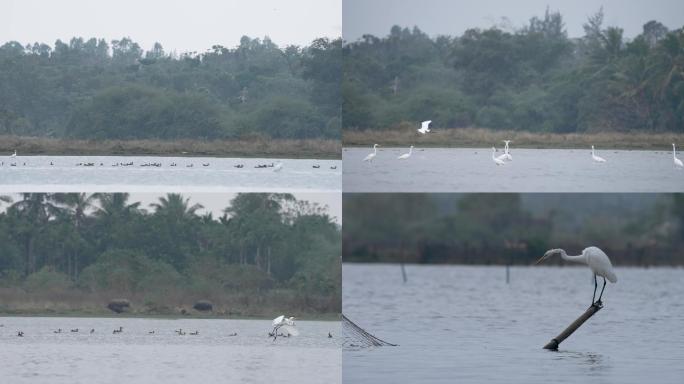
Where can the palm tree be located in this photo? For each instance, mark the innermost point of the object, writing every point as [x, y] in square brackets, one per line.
[76, 206]
[32, 212]
[173, 205]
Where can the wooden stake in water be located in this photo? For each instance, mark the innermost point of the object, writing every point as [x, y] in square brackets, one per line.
[403, 272]
[553, 344]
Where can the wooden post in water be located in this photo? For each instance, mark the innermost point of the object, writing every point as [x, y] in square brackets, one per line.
[553, 344]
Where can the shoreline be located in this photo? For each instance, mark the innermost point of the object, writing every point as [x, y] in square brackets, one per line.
[321, 149]
[303, 317]
[485, 138]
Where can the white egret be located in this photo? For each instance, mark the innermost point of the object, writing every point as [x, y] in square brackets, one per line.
[278, 166]
[496, 160]
[371, 156]
[286, 323]
[424, 127]
[406, 155]
[595, 259]
[14, 154]
[677, 162]
[595, 157]
[506, 156]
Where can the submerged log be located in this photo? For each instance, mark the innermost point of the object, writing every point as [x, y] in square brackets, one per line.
[553, 344]
[118, 305]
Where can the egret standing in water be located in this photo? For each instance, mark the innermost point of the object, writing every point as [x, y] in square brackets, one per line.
[595, 157]
[14, 154]
[286, 323]
[424, 127]
[371, 156]
[595, 259]
[677, 162]
[505, 156]
[406, 155]
[496, 160]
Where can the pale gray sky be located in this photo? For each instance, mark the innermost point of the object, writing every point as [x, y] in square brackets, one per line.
[453, 17]
[181, 25]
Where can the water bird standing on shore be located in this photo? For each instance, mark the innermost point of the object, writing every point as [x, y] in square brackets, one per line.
[496, 160]
[677, 162]
[595, 157]
[406, 155]
[424, 127]
[286, 323]
[595, 259]
[371, 156]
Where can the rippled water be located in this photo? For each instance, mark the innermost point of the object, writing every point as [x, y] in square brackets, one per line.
[135, 356]
[532, 170]
[220, 176]
[459, 324]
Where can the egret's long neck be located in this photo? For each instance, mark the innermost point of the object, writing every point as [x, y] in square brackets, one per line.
[577, 259]
[674, 152]
[592, 151]
[375, 150]
[410, 150]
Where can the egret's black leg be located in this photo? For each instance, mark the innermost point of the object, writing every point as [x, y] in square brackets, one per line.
[604, 287]
[594, 295]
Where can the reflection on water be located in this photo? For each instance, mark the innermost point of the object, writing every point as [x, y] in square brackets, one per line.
[532, 170]
[184, 174]
[138, 356]
[465, 324]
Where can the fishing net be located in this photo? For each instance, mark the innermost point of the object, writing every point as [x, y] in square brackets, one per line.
[357, 337]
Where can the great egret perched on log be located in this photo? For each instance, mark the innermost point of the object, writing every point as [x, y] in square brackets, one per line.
[424, 127]
[595, 259]
[496, 160]
[371, 156]
[286, 323]
[406, 155]
[596, 157]
[677, 162]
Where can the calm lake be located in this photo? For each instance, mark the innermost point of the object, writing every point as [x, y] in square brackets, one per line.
[532, 170]
[135, 356]
[35, 174]
[457, 324]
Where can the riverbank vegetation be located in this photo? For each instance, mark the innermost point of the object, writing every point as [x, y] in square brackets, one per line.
[94, 89]
[633, 229]
[534, 79]
[74, 253]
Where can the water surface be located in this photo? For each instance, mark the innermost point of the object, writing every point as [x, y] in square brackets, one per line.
[135, 356]
[532, 170]
[35, 174]
[459, 324]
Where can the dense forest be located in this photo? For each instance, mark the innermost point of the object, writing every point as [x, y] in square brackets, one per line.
[94, 89]
[266, 252]
[633, 229]
[534, 79]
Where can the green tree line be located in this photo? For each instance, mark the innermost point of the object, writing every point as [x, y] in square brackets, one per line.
[512, 228]
[535, 79]
[104, 244]
[94, 89]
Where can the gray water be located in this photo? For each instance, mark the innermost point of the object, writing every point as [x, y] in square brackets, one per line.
[37, 175]
[458, 324]
[135, 356]
[532, 170]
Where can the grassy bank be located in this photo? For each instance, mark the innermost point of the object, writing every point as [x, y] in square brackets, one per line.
[255, 147]
[76, 303]
[480, 137]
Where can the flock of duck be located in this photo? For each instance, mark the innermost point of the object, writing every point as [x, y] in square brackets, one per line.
[277, 167]
[506, 156]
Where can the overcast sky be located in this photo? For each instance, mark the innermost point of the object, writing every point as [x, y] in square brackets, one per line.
[181, 25]
[453, 17]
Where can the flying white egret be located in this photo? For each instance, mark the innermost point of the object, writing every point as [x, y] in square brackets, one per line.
[406, 155]
[286, 323]
[496, 160]
[371, 156]
[14, 154]
[595, 259]
[278, 166]
[424, 127]
[595, 157]
[677, 162]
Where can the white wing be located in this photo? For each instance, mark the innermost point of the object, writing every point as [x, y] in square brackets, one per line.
[278, 320]
[425, 125]
[290, 329]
